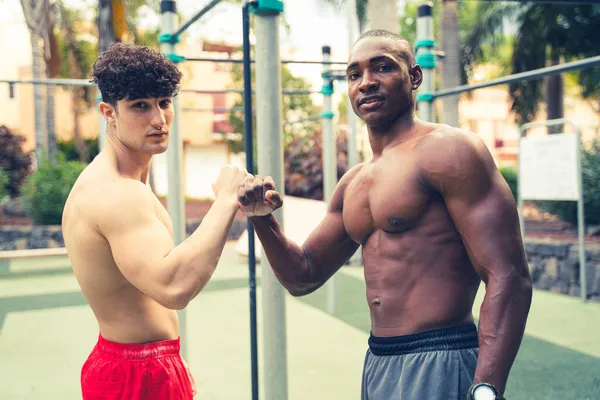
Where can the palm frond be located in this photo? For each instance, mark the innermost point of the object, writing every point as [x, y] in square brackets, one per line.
[487, 31]
[529, 53]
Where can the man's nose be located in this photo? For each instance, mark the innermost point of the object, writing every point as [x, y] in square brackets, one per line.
[159, 119]
[368, 83]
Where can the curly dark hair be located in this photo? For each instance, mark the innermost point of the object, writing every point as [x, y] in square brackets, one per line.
[134, 72]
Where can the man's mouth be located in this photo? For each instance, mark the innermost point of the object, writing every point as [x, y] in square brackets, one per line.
[371, 101]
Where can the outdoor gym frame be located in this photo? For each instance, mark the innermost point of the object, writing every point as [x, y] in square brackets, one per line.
[270, 157]
[270, 154]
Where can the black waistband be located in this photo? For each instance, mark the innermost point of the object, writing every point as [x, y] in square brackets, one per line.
[455, 338]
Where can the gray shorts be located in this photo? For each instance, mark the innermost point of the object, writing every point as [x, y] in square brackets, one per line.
[432, 365]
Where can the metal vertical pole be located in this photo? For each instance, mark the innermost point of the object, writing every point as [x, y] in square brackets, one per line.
[352, 145]
[102, 127]
[581, 224]
[329, 155]
[175, 196]
[426, 60]
[353, 150]
[520, 185]
[270, 163]
[249, 146]
[580, 199]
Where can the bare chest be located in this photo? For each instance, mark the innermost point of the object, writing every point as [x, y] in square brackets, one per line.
[386, 195]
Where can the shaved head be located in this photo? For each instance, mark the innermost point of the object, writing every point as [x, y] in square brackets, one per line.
[405, 50]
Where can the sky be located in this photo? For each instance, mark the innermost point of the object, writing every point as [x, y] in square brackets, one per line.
[312, 24]
[223, 22]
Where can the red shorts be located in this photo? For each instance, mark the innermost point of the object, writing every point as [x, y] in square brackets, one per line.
[145, 371]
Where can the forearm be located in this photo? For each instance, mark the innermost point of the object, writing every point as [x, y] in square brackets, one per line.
[290, 263]
[501, 326]
[193, 262]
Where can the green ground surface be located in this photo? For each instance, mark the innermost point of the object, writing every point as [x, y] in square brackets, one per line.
[47, 331]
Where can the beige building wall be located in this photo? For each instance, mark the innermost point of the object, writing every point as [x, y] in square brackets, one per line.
[487, 113]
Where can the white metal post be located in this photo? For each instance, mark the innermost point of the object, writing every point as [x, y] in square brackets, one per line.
[269, 125]
[175, 195]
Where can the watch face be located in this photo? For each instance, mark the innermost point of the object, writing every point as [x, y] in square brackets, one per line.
[484, 393]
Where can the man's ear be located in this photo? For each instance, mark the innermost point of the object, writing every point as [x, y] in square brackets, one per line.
[416, 76]
[109, 113]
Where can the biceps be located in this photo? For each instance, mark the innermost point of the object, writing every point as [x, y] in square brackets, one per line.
[329, 245]
[139, 251]
[490, 232]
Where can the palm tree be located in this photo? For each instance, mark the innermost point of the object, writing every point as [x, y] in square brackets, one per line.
[540, 40]
[35, 13]
[361, 11]
[382, 14]
[52, 69]
[75, 69]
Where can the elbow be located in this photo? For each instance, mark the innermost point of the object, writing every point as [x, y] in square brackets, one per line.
[298, 292]
[526, 288]
[302, 290]
[518, 287]
[177, 298]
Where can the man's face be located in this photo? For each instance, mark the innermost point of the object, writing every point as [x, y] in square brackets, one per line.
[144, 124]
[380, 82]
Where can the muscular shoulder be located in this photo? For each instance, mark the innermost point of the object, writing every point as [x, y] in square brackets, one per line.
[448, 157]
[337, 199]
[123, 201]
[349, 176]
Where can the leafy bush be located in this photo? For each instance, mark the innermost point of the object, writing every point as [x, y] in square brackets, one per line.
[69, 150]
[590, 168]
[511, 177]
[3, 185]
[304, 165]
[13, 160]
[45, 191]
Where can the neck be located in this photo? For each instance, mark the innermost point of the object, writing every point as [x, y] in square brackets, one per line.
[129, 163]
[381, 136]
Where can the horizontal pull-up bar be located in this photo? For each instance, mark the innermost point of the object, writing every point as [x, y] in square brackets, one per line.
[240, 91]
[84, 82]
[240, 60]
[51, 82]
[523, 76]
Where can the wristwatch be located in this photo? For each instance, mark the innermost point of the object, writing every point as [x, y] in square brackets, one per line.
[484, 391]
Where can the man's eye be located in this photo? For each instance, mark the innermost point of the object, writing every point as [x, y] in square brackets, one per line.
[139, 105]
[165, 103]
[384, 68]
[353, 76]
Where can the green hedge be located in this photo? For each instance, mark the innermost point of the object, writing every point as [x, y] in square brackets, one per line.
[46, 190]
[590, 169]
[567, 210]
[511, 177]
[68, 148]
[4, 180]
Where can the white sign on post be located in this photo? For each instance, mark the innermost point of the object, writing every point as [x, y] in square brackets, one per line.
[548, 167]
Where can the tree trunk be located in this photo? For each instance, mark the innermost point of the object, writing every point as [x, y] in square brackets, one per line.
[106, 34]
[450, 66]
[52, 69]
[383, 14]
[51, 125]
[76, 95]
[554, 97]
[39, 109]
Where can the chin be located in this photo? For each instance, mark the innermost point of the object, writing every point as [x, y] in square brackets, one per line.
[160, 150]
[157, 149]
[376, 120]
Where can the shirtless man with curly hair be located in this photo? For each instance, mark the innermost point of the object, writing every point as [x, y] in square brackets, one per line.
[119, 236]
